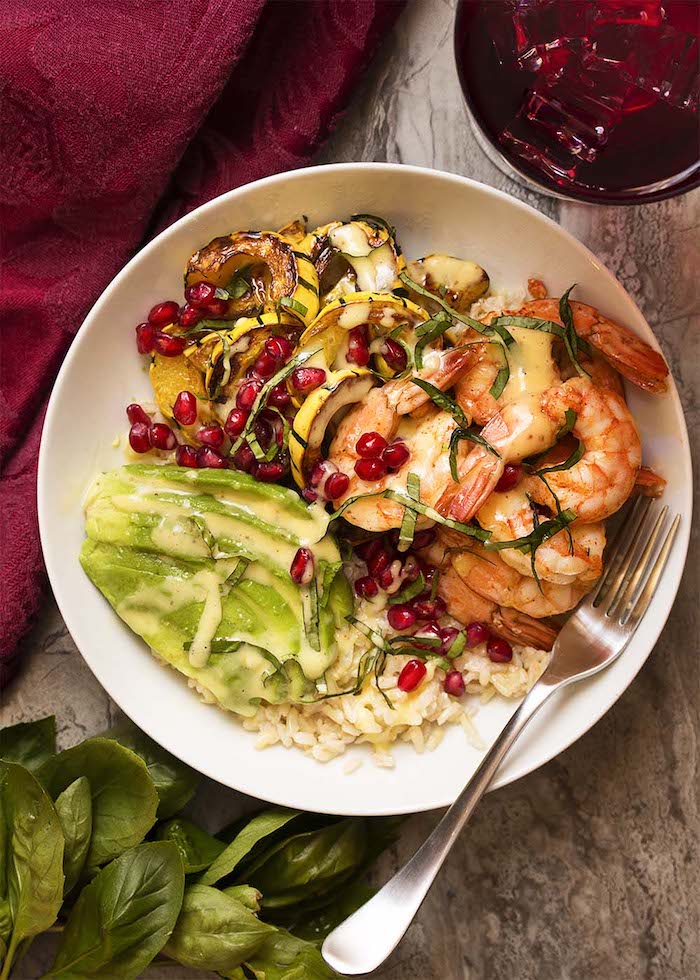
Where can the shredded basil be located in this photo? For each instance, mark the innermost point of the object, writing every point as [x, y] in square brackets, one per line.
[238, 285]
[457, 646]
[570, 461]
[428, 331]
[502, 378]
[408, 521]
[443, 401]
[264, 394]
[293, 304]
[433, 515]
[237, 574]
[412, 590]
[311, 615]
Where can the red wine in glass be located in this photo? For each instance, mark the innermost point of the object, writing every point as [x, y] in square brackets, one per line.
[596, 100]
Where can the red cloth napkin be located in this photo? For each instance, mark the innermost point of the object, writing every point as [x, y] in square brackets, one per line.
[118, 118]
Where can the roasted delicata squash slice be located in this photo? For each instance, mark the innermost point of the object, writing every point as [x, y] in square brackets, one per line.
[294, 231]
[225, 356]
[261, 272]
[171, 375]
[381, 313]
[359, 254]
[458, 281]
[315, 417]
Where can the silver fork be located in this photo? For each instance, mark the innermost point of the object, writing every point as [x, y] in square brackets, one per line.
[592, 639]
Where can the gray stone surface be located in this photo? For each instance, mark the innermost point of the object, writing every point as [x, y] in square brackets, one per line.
[588, 868]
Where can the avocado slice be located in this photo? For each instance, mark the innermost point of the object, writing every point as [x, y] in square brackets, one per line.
[164, 545]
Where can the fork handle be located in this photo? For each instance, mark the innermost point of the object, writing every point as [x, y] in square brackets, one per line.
[362, 943]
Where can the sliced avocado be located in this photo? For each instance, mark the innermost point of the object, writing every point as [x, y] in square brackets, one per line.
[163, 548]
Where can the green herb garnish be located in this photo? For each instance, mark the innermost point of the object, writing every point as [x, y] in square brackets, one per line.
[408, 522]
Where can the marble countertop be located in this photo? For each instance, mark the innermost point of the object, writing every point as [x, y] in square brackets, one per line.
[587, 868]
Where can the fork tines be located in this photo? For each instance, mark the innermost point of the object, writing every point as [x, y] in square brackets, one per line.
[636, 559]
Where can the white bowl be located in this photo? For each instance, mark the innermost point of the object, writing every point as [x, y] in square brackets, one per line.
[434, 212]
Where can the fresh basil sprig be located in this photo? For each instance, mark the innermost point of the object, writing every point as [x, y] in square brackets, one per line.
[408, 522]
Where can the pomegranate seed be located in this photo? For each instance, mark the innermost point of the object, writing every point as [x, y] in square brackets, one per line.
[394, 355]
[211, 459]
[169, 346]
[401, 617]
[247, 393]
[429, 608]
[477, 633]
[217, 307]
[378, 561]
[366, 587]
[308, 378]
[302, 567]
[454, 683]
[370, 469]
[200, 294]
[386, 578]
[510, 478]
[280, 348]
[429, 630]
[189, 316]
[336, 485]
[186, 456]
[145, 335]
[396, 455]
[264, 432]
[370, 445]
[358, 348]
[164, 313]
[448, 635]
[211, 435]
[235, 423]
[140, 437]
[279, 396]
[162, 436]
[321, 471]
[309, 495]
[367, 549]
[265, 366]
[244, 459]
[135, 413]
[423, 539]
[411, 675]
[185, 408]
[499, 650]
[429, 573]
[269, 472]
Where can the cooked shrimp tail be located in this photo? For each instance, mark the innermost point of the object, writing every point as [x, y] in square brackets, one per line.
[628, 353]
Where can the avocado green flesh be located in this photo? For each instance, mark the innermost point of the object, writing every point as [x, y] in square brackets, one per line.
[161, 548]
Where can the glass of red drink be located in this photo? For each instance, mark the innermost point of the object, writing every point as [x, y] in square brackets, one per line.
[595, 100]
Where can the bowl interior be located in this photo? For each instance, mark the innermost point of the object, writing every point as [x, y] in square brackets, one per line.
[433, 212]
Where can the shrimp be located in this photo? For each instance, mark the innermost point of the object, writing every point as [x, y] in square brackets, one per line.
[468, 606]
[485, 573]
[628, 353]
[649, 483]
[603, 479]
[426, 439]
[565, 559]
[600, 371]
[387, 410]
[595, 487]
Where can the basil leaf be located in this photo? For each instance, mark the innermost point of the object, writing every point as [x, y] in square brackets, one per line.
[286, 957]
[214, 931]
[433, 515]
[570, 461]
[314, 926]
[408, 521]
[443, 401]
[528, 543]
[124, 916]
[239, 283]
[174, 781]
[570, 418]
[124, 799]
[263, 825]
[572, 342]
[412, 590]
[502, 378]
[428, 331]
[293, 304]
[470, 435]
[74, 809]
[31, 859]
[29, 743]
[311, 863]
[246, 895]
[197, 848]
